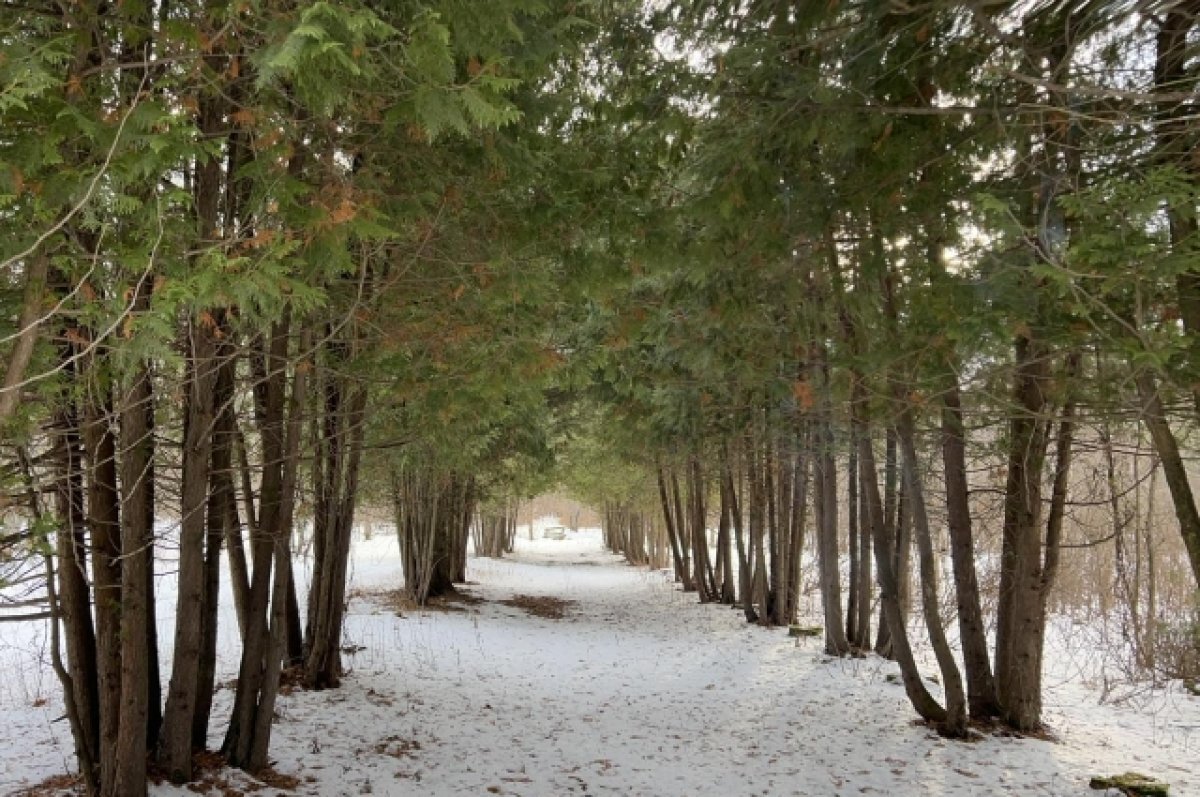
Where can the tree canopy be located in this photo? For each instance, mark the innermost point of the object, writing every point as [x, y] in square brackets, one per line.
[266, 262]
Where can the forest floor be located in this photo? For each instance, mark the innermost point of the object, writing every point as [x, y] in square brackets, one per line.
[566, 671]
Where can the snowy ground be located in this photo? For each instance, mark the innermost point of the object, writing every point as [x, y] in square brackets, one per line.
[637, 690]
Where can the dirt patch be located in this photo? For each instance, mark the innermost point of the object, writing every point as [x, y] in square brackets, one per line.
[212, 775]
[398, 601]
[278, 780]
[397, 747]
[540, 605]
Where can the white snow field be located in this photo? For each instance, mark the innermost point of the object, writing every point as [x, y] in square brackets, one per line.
[636, 690]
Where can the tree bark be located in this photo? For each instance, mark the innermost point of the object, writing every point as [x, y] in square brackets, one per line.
[137, 665]
[836, 643]
[981, 686]
[72, 601]
[1020, 620]
[175, 752]
[103, 516]
[221, 517]
[1173, 467]
[269, 410]
[799, 516]
[27, 334]
[344, 427]
[673, 534]
[852, 633]
[703, 575]
[729, 498]
[924, 703]
[955, 723]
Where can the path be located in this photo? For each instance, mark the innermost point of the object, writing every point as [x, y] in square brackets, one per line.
[639, 690]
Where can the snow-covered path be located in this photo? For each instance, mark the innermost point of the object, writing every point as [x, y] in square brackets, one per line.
[639, 690]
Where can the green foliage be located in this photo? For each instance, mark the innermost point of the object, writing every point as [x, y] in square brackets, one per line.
[325, 54]
[30, 65]
[512, 207]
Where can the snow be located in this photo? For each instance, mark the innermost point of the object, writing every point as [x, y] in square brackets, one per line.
[637, 690]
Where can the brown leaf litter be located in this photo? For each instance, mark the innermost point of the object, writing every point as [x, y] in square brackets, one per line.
[545, 606]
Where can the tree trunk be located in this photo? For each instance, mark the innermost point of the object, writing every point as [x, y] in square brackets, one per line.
[777, 488]
[865, 581]
[270, 394]
[27, 334]
[729, 499]
[799, 516]
[71, 697]
[852, 502]
[757, 499]
[1174, 470]
[687, 541]
[137, 665]
[728, 585]
[892, 521]
[175, 753]
[924, 703]
[432, 508]
[981, 686]
[103, 510]
[72, 601]
[344, 434]
[222, 517]
[1020, 619]
[239, 571]
[955, 723]
[703, 575]
[673, 534]
[826, 502]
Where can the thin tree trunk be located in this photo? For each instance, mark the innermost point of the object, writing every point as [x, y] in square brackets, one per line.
[322, 665]
[1174, 470]
[239, 571]
[836, 643]
[1063, 458]
[687, 541]
[175, 753]
[924, 703]
[852, 614]
[981, 686]
[72, 601]
[703, 576]
[865, 581]
[137, 667]
[1151, 569]
[757, 521]
[1019, 625]
[27, 334]
[71, 704]
[677, 556]
[799, 521]
[892, 521]
[103, 503]
[955, 723]
[730, 499]
[222, 515]
[269, 401]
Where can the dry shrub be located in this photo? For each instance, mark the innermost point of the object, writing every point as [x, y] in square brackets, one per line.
[1176, 648]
